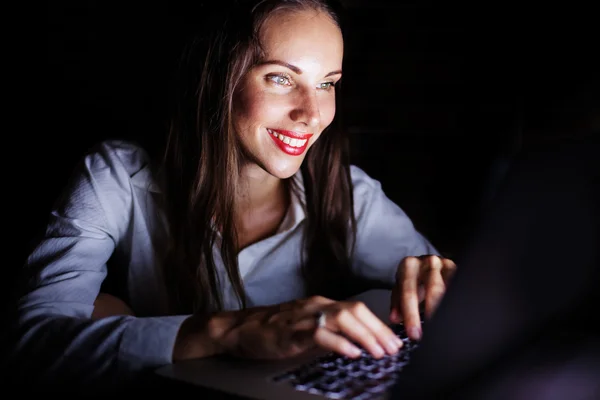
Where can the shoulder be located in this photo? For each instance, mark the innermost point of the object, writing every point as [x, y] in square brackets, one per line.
[363, 185]
[108, 168]
[119, 162]
[100, 190]
[117, 154]
[370, 199]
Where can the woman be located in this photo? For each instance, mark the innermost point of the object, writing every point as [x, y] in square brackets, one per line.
[250, 224]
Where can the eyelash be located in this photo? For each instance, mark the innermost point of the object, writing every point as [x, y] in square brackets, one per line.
[274, 79]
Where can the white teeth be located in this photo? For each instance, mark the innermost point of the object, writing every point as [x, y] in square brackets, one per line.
[288, 140]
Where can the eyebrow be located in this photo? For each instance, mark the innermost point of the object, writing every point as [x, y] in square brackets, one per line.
[294, 68]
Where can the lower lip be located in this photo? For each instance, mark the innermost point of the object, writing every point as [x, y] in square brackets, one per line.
[287, 149]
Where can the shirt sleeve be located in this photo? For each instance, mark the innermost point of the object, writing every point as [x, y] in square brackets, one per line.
[385, 234]
[55, 339]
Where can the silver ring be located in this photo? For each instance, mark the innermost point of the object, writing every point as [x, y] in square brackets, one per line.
[320, 319]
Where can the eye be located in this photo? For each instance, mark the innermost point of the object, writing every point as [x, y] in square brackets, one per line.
[281, 80]
[326, 85]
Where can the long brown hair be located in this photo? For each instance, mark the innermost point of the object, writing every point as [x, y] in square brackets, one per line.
[202, 160]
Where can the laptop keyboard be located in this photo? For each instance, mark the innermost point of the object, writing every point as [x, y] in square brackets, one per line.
[338, 377]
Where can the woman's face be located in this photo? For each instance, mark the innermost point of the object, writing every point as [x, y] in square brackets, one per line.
[286, 101]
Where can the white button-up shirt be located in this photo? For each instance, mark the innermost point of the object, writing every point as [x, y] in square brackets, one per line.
[108, 222]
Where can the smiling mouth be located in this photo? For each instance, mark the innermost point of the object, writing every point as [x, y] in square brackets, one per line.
[291, 143]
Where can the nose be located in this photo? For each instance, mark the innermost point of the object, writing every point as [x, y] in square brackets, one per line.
[306, 110]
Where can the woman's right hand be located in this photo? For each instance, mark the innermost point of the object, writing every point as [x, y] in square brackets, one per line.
[289, 329]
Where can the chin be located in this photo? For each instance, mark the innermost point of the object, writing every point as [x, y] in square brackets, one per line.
[284, 170]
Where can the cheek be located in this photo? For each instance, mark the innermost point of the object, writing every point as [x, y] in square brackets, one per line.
[327, 112]
[259, 110]
[247, 111]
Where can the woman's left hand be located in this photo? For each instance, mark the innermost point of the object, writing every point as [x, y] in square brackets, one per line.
[419, 279]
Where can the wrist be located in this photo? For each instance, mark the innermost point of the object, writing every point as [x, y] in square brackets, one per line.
[202, 337]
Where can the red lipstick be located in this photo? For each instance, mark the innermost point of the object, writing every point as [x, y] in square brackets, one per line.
[288, 148]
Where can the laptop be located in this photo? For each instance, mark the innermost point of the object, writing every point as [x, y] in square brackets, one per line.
[504, 294]
[314, 375]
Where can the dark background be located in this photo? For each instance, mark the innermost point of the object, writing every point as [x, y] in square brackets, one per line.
[434, 96]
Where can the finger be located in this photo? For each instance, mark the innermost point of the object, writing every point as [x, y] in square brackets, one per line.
[347, 324]
[395, 314]
[434, 288]
[295, 335]
[448, 270]
[421, 293]
[337, 343]
[410, 297]
[395, 310]
[382, 333]
[296, 323]
[302, 337]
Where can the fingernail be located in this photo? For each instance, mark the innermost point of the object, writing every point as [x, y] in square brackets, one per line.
[399, 342]
[379, 352]
[354, 351]
[392, 346]
[414, 332]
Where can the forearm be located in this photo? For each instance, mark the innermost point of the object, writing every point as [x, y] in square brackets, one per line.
[62, 350]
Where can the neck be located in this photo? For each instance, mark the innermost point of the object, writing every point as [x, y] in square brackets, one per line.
[258, 189]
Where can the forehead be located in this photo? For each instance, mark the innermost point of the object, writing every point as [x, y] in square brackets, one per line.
[302, 37]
